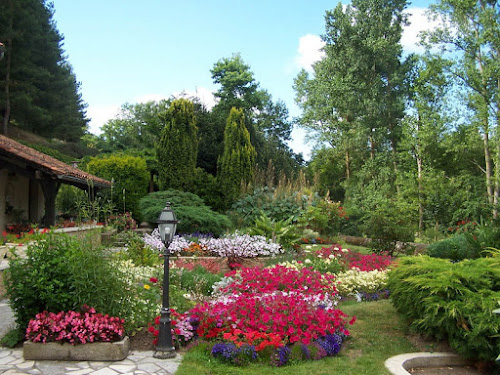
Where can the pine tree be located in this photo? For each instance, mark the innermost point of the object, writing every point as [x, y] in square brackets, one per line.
[178, 148]
[38, 90]
[237, 163]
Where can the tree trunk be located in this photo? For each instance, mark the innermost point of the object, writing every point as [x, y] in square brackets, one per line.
[420, 195]
[372, 148]
[347, 165]
[487, 162]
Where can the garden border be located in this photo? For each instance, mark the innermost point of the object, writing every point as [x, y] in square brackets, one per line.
[399, 364]
[94, 351]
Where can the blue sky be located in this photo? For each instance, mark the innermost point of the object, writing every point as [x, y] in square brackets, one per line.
[134, 51]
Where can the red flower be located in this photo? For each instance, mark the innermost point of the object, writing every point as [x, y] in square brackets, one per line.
[153, 280]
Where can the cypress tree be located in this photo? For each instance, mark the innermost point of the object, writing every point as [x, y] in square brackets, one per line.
[178, 148]
[237, 163]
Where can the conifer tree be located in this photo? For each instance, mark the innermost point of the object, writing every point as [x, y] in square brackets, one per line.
[38, 90]
[237, 163]
[178, 148]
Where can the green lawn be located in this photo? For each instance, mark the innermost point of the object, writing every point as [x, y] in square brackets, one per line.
[378, 334]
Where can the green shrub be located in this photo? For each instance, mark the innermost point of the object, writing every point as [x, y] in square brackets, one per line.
[265, 200]
[282, 232]
[198, 281]
[131, 178]
[451, 300]
[62, 273]
[457, 247]
[135, 250]
[388, 222]
[191, 211]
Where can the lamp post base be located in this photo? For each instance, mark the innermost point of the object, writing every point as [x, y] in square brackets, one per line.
[165, 354]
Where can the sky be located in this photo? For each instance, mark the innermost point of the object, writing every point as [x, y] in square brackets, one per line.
[135, 51]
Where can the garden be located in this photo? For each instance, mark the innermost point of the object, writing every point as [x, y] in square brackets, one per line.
[274, 293]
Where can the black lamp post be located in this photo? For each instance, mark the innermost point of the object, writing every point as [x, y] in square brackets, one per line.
[167, 223]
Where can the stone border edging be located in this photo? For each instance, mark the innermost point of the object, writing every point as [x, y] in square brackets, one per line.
[398, 364]
[95, 351]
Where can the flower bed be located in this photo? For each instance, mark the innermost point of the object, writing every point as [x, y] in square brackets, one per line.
[270, 314]
[76, 336]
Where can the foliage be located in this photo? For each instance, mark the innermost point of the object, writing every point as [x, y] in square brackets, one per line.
[282, 232]
[178, 147]
[137, 251]
[123, 222]
[197, 280]
[456, 248]
[324, 216]
[75, 327]
[130, 178]
[451, 300]
[39, 91]
[387, 223]
[191, 211]
[63, 273]
[277, 205]
[236, 167]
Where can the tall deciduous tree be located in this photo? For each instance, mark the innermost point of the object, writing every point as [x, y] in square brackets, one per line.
[358, 87]
[236, 166]
[424, 126]
[472, 32]
[39, 91]
[178, 147]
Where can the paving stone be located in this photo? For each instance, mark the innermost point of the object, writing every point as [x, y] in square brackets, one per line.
[14, 372]
[4, 353]
[83, 371]
[104, 371]
[96, 365]
[51, 367]
[7, 360]
[26, 365]
[34, 372]
[123, 368]
[148, 367]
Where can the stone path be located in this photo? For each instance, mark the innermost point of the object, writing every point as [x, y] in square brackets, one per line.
[137, 362]
[6, 318]
[12, 362]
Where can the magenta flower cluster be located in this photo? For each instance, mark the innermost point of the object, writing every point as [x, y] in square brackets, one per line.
[75, 327]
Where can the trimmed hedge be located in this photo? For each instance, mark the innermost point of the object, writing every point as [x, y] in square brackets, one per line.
[191, 211]
[452, 301]
[457, 247]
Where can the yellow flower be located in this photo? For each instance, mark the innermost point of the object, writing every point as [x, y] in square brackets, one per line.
[146, 286]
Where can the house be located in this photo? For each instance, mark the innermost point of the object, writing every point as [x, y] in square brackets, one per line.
[30, 180]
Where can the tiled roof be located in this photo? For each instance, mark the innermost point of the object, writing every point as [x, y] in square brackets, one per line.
[48, 164]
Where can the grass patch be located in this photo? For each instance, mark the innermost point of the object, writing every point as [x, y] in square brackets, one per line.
[379, 333]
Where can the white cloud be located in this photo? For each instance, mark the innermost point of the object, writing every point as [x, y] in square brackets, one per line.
[309, 51]
[203, 94]
[99, 115]
[418, 22]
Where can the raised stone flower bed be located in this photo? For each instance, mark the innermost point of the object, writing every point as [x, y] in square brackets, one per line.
[95, 351]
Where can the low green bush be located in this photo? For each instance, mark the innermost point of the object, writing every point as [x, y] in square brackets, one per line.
[136, 250]
[198, 281]
[191, 211]
[453, 301]
[457, 247]
[62, 273]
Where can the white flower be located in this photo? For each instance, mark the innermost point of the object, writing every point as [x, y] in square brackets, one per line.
[308, 261]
